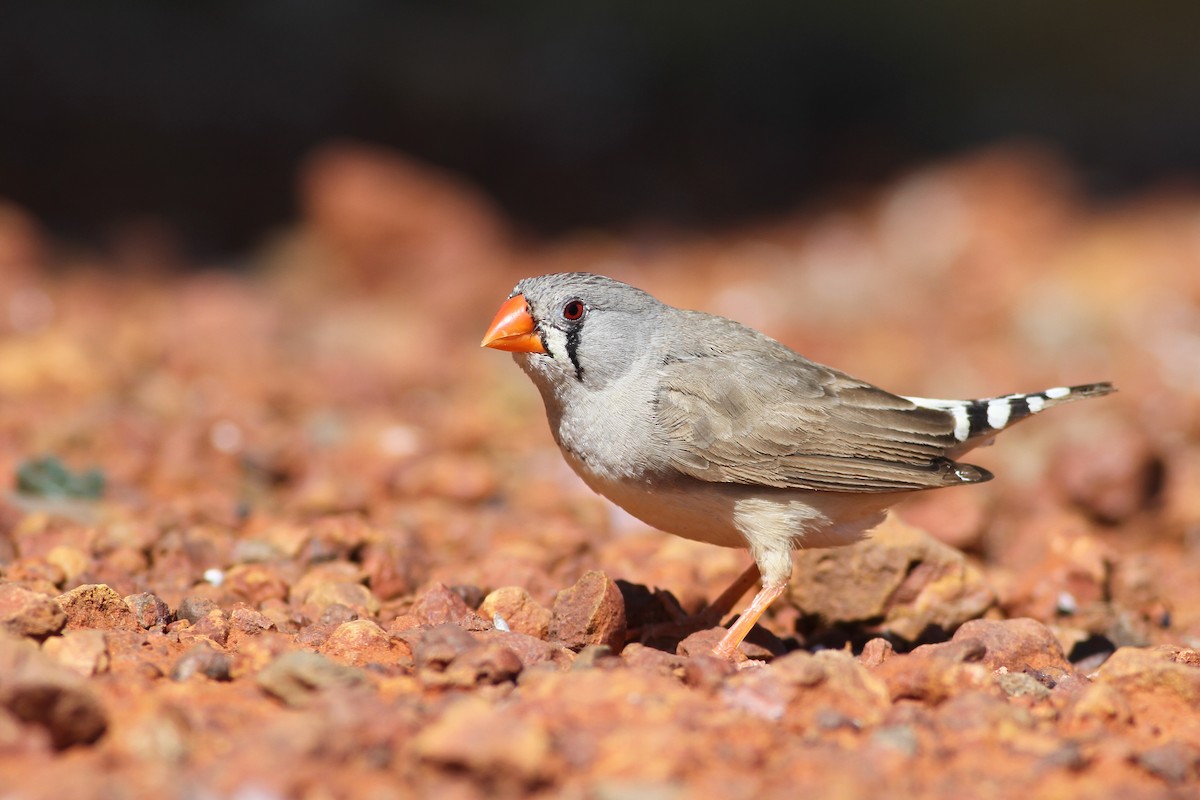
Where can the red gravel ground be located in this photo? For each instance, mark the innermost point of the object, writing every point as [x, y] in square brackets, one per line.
[323, 506]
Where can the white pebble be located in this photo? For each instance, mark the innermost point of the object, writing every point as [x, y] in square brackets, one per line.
[225, 436]
[1067, 604]
[400, 441]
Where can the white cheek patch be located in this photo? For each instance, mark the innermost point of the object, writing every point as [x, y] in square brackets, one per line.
[556, 343]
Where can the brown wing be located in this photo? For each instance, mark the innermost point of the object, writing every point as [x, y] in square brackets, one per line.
[770, 417]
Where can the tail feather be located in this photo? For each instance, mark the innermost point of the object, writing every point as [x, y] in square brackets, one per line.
[979, 419]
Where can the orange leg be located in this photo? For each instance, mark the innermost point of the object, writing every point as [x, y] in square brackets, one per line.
[709, 616]
[728, 645]
[717, 609]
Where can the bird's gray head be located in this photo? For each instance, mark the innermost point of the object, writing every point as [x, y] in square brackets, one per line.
[575, 328]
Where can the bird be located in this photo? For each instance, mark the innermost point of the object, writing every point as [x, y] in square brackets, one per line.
[708, 429]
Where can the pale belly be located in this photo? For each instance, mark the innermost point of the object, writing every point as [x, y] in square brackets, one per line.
[732, 515]
[701, 516]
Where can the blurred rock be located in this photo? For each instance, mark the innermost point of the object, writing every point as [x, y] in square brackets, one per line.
[85, 651]
[531, 651]
[475, 736]
[194, 609]
[439, 604]
[71, 560]
[876, 651]
[1174, 762]
[1113, 476]
[1157, 683]
[203, 659]
[707, 671]
[383, 220]
[26, 613]
[900, 581]
[954, 518]
[1018, 646]
[1020, 684]
[36, 690]
[1098, 707]
[435, 648]
[248, 622]
[213, 626]
[933, 673]
[392, 568]
[485, 664]
[590, 612]
[256, 583]
[353, 596]
[1160, 670]
[639, 657]
[296, 677]
[22, 251]
[335, 571]
[829, 689]
[362, 642]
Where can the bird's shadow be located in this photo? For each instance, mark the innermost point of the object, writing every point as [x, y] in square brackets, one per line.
[656, 619]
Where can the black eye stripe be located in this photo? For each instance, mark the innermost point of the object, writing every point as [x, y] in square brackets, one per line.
[573, 352]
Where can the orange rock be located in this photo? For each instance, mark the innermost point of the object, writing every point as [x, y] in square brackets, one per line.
[96, 606]
[361, 642]
[439, 604]
[255, 583]
[38, 691]
[474, 735]
[1017, 645]
[935, 672]
[82, 651]
[590, 612]
[27, 613]
[519, 611]
[900, 580]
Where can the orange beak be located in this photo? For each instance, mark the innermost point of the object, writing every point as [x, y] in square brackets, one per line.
[513, 329]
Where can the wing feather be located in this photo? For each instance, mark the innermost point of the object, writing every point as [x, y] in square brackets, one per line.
[764, 415]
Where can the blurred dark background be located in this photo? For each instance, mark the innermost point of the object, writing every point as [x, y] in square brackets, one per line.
[570, 114]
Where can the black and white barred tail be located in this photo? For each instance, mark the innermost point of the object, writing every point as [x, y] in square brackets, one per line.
[981, 419]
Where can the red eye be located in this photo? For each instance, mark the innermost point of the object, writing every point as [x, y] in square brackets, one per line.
[573, 310]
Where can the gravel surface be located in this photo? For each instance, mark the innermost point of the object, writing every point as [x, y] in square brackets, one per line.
[291, 533]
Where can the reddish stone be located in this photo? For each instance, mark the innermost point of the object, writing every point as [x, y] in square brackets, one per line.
[1018, 645]
[590, 612]
[85, 651]
[900, 580]
[439, 604]
[27, 613]
[932, 673]
[519, 611]
[36, 690]
[96, 606]
[255, 583]
[362, 642]
[149, 610]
